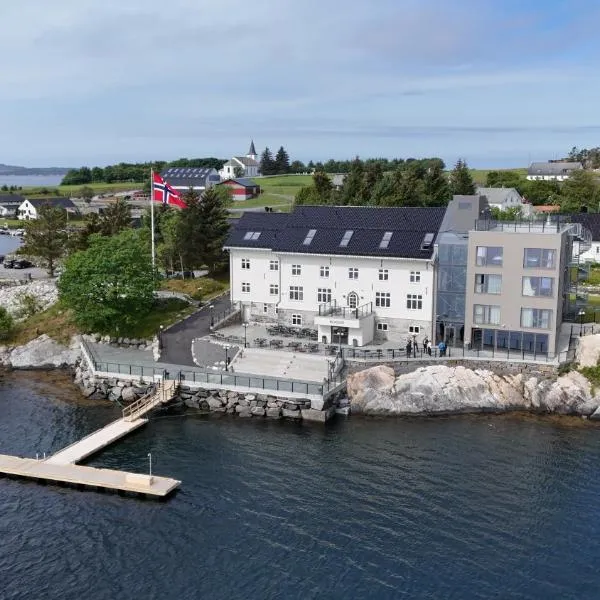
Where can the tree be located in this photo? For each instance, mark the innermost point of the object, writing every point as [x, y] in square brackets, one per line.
[461, 182]
[307, 195]
[512, 213]
[436, 188]
[540, 192]
[267, 164]
[580, 193]
[190, 231]
[508, 179]
[86, 192]
[282, 162]
[373, 173]
[297, 167]
[46, 237]
[383, 192]
[214, 228]
[323, 187]
[238, 171]
[169, 246]
[115, 218]
[110, 286]
[353, 183]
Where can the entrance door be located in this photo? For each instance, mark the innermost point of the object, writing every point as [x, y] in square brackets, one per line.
[352, 300]
[339, 335]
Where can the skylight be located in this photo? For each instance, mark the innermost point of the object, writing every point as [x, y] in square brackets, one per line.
[252, 235]
[427, 241]
[346, 238]
[256, 235]
[309, 237]
[385, 240]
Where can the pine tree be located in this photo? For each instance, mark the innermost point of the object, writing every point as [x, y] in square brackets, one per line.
[267, 164]
[282, 162]
[436, 187]
[373, 173]
[323, 187]
[461, 182]
[214, 228]
[190, 235]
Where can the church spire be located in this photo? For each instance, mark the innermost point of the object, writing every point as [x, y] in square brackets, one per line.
[252, 151]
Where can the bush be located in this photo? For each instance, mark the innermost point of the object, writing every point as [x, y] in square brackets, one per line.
[28, 305]
[7, 323]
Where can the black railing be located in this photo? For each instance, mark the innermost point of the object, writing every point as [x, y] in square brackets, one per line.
[332, 309]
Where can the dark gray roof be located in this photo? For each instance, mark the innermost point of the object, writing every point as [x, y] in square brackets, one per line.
[245, 181]
[53, 201]
[189, 176]
[11, 199]
[247, 161]
[287, 232]
[252, 150]
[553, 168]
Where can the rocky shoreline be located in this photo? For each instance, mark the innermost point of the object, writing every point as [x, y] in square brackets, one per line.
[427, 391]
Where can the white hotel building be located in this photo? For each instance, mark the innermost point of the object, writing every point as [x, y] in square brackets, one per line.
[352, 273]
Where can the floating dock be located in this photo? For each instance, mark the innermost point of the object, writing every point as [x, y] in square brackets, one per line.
[61, 467]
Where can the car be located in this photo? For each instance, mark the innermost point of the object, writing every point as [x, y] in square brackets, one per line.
[22, 264]
[9, 263]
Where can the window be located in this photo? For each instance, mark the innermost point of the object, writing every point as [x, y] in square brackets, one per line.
[274, 265]
[536, 318]
[245, 263]
[488, 284]
[296, 270]
[415, 276]
[385, 240]
[538, 286]
[383, 274]
[252, 235]
[309, 237]
[489, 256]
[414, 329]
[352, 273]
[323, 295]
[265, 308]
[414, 301]
[539, 257]
[382, 326]
[324, 271]
[346, 239]
[296, 292]
[245, 287]
[383, 299]
[427, 242]
[486, 315]
[274, 289]
[296, 319]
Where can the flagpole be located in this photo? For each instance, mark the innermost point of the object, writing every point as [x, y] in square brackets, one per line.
[152, 217]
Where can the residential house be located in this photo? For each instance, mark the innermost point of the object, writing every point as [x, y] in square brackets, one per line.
[29, 208]
[241, 166]
[552, 171]
[352, 273]
[196, 178]
[504, 199]
[9, 204]
[242, 188]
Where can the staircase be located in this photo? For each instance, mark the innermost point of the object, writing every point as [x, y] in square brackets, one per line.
[164, 393]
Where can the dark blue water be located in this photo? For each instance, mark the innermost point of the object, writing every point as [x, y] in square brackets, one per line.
[469, 507]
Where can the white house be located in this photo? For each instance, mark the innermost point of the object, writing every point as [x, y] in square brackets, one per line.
[352, 273]
[9, 204]
[505, 198]
[247, 166]
[29, 209]
[552, 171]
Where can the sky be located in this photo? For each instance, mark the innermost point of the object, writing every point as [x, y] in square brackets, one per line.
[499, 83]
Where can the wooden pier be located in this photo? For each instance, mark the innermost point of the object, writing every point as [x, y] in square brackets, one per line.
[62, 468]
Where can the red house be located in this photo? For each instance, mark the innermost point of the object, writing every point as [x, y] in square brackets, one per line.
[242, 188]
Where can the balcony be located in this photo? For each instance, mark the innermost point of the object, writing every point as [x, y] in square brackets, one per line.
[332, 314]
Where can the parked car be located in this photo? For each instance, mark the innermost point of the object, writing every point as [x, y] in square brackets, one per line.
[22, 264]
[9, 263]
[180, 274]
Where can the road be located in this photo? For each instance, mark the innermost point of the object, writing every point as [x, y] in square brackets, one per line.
[177, 341]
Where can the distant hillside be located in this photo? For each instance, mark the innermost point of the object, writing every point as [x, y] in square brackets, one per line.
[13, 170]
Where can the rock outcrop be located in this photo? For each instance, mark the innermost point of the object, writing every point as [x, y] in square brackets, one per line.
[44, 290]
[441, 389]
[40, 353]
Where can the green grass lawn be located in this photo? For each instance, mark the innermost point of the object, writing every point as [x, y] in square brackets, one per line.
[69, 190]
[480, 175]
[265, 199]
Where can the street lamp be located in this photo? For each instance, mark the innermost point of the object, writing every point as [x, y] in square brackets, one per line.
[212, 315]
[226, 357]
[160, 337]
[581, 315]
[245, 335]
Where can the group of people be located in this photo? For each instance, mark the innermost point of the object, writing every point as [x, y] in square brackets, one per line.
[412, 347]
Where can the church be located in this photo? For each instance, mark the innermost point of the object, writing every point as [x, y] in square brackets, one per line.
[241, 166]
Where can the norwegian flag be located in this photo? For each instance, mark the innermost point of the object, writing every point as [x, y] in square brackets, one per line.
[163, 192]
